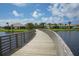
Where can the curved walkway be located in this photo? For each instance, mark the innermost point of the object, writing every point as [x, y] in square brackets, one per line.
[40, 45]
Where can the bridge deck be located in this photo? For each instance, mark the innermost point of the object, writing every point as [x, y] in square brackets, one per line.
[40, 45]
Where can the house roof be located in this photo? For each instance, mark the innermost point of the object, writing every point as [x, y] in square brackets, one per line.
[18, 24]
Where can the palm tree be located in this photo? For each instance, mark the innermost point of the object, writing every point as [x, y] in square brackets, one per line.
[65, 26]
[7, 25]
[69, 24]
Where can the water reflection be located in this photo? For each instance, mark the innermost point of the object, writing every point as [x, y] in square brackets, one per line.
[71, 38]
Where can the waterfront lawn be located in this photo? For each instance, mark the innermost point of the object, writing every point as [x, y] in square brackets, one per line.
[14, 30]
[64, 29]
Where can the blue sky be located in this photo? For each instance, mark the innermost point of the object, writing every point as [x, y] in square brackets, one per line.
[38, 12]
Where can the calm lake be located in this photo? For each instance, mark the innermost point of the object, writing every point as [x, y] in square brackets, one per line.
[71, 38]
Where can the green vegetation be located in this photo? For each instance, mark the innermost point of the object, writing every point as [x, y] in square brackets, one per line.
[29, 26]
[14, 30]
[64, 29]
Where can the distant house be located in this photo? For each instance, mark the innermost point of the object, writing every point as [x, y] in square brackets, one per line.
[70, 25]
[17, 25]
[76, 26]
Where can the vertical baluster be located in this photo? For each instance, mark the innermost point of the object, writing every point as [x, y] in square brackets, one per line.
[24, 36]
[0, 47]
[21, 39]
[29, 35]
[10, 42]
[16, 40]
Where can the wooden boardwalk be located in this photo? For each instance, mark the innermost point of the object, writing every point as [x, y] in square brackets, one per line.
[40, 45]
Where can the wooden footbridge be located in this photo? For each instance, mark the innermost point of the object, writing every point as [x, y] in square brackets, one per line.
[34, 43]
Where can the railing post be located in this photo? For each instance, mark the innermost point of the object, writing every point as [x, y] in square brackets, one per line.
[0, 48]
[21, 39]
[29, 35]
[16, 40]
[10, 42]
[24, 36]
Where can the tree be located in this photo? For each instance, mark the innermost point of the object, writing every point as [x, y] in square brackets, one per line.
[69, 24]
[42, 25]
[60, 25]
[56, 26]
[49, 25]
[30, 26]
[65, 26]
[12, 27]
[7, 27]
[36, 25]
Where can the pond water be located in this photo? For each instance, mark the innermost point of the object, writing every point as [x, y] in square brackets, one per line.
[71, 38]
[3, 33]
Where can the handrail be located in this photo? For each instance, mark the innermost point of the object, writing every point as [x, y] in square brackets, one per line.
[11, 42]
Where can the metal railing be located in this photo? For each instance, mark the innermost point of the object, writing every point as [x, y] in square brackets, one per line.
[12, 42]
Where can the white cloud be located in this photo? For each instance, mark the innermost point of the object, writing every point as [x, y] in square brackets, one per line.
[15, 13]
[69, 10]
[20, 4]
[49, 8]
[12, 21]
[52, 19]
[56, 11]
[36, 14]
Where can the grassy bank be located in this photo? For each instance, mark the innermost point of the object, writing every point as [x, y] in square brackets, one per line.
[25, 30]
[64, 29]
[14, 30]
